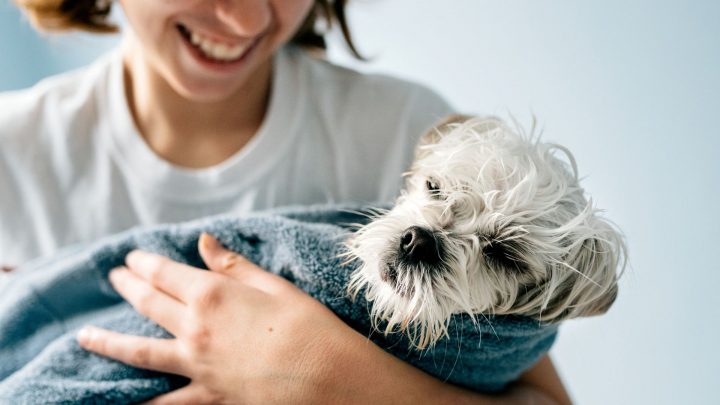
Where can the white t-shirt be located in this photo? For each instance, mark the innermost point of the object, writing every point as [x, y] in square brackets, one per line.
[73, 166]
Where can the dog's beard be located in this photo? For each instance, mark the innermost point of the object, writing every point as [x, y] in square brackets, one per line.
[416, 299]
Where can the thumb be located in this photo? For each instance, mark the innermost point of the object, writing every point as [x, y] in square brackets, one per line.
[216, 256]
[220, 260]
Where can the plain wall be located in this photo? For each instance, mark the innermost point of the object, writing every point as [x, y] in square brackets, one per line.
[632, 88]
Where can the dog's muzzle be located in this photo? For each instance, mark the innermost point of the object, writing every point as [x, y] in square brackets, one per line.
[419, 245]
[419, 251]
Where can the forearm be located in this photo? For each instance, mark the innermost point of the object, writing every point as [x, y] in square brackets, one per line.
[361, 372]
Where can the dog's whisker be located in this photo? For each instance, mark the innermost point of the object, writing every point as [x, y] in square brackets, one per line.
[459, 338]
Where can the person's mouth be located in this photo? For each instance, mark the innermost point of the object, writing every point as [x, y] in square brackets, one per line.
[213, 50]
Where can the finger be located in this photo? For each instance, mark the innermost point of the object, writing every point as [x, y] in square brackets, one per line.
[176, 279]
[217, 258]
[148, 300]
[221, 260]
[142, 352]
[191, 394]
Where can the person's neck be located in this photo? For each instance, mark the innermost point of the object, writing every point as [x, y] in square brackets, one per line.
[189, 133]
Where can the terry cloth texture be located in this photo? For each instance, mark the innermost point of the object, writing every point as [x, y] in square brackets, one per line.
[42, 308]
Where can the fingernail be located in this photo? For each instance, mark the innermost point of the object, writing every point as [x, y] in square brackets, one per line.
[115, 272]
[133, 257]
[205, 240]
[84, 334]
[208, 241]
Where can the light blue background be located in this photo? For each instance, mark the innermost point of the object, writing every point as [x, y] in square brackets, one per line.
[631, 87]
[27, 56]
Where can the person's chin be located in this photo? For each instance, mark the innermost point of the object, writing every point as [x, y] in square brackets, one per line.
[195, 83]
[206, 92]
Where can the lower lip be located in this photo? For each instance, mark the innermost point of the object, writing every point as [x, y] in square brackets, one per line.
[216, 65]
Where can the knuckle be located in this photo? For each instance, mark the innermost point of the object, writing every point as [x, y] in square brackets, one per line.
[154, 274]
[210, 296]
[213, 398]
[199, 339]
[230, 261]
[161, 264]
[143, 300]
[140, 356]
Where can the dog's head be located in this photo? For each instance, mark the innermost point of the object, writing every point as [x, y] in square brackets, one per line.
[491, 222]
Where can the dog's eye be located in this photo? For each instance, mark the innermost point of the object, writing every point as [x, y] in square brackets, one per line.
[506, 255]
[432, 187]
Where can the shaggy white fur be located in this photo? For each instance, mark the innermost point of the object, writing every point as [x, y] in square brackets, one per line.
[511, 229]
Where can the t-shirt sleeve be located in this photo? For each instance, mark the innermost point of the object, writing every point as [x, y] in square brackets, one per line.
[12, 209]
[423, 109]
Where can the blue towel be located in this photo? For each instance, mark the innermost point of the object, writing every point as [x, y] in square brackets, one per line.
[43, 307]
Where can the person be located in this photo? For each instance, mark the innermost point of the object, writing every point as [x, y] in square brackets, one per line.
[214, 106]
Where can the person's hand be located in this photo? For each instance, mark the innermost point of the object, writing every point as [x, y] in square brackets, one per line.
[242, 335]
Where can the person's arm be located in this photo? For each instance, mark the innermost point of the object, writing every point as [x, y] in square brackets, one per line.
[243, 335]
[378, 377]
[544, 378]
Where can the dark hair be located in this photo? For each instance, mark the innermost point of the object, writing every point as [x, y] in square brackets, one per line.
[329, 10]
[92, 16]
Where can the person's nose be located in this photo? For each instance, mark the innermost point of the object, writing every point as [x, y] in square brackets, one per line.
[248, 18]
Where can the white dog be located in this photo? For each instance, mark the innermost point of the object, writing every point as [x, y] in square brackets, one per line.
[491, 222]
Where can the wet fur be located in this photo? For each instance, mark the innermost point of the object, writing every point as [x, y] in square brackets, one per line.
[517, 235]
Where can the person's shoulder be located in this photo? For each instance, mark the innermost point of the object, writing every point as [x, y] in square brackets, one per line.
[350, 82]
[46, 131]
[386, 100]
[53, 104]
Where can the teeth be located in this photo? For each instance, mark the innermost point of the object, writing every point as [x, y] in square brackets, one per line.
[216, 50]
[195, 39]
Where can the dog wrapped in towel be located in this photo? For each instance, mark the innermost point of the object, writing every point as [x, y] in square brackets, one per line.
[490, 246]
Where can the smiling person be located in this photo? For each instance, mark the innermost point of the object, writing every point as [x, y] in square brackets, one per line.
[213, 106]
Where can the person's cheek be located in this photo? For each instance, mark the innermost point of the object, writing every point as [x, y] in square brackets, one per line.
[290, 15]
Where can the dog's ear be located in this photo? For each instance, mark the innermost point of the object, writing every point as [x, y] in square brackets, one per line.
[441, 127]
[437, 131]
[588, 284]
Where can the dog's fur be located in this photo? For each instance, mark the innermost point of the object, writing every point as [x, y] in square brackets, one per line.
[491, 221]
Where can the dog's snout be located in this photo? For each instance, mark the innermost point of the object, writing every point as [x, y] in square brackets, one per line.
[419, 245]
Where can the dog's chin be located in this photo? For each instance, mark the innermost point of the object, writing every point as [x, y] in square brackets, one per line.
[381, 282]
[388, 274]
[401, 291]
[401, 306]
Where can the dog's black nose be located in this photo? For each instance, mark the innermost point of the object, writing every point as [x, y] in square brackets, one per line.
[419, 245]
